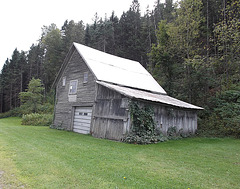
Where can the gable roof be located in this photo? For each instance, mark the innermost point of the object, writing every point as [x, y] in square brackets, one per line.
[125, 76]
[117, 70]
[144, 95]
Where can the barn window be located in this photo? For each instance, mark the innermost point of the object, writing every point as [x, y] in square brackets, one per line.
[73, 87]
[85, 77]
[64, 81]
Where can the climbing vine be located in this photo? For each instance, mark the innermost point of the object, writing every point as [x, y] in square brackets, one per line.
[142, 118]
[143, 128]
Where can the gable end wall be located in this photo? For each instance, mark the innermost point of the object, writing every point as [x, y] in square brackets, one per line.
[64, 109]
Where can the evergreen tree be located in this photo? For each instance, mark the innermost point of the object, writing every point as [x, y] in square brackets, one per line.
[35, 62]
[227, 36]
[87, 37]
[130, 36]
[52, 44]
[72, 32]
[33, 97]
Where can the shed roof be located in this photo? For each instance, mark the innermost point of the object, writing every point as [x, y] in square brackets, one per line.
[144, 95]
[121, 71]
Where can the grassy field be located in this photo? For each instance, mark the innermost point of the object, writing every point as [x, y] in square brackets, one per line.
[39, 157]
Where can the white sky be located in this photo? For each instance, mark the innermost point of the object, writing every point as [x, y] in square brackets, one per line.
[21, 20]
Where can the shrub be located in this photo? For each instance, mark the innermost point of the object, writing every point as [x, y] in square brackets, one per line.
[222, 118]
[16, 112]
[172, 133]
[46, 108]
[145, 138]
[37, 119]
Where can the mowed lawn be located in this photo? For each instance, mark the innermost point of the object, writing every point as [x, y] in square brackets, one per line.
[39, 157]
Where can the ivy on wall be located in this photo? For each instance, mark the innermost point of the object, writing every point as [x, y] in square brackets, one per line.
[142, 118]
[143, 128]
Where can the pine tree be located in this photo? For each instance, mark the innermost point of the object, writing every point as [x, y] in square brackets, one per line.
[52, 44]
[33, 97]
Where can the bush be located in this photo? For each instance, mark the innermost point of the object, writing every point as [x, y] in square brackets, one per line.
[24, 109]
[46, 108]
[222, 118]
[16, 112]
[145, 138]
[37, 119]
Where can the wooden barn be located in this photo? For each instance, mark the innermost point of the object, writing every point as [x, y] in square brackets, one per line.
[93, 90]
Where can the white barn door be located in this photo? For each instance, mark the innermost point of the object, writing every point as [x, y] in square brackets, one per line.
[82, 120]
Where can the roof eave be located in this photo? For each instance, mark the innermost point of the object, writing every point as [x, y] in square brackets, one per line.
[134, 97]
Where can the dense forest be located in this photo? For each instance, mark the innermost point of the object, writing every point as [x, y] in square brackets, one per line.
[192, 48]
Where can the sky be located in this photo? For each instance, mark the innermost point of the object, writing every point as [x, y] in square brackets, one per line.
[21, 20]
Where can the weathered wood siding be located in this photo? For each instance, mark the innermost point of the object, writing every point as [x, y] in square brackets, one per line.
[182, 119]
[110, 115]
[64, 110]
[168, 116]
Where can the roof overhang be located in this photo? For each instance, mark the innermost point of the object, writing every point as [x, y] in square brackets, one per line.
[149, 96]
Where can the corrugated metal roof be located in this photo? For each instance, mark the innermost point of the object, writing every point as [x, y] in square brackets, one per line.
[144, 95]
[113, 69]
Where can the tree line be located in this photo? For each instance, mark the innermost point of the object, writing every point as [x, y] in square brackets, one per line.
[191, 48]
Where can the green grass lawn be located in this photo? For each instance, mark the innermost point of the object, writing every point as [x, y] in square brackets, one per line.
[39, 157]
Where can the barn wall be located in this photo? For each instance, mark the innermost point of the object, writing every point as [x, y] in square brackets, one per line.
[110, 115]
[184, 120]
[167, 116]
[74, 70]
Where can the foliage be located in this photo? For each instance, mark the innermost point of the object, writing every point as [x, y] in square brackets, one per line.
[16, 112]
[187, 27]
[33, 110]
[197, 59]
[46, 108]
[164, 65]
[12, 81]
[33, 97]
[37, 119]
[69, 160]
[51, 42]
[224, 118]
[143, 129]
[227, 34]
[142, 118]
[144, 138]
[192, 47]
[172, 133]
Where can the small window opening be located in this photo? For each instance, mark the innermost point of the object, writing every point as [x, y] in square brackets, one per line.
[64, 81]
[85, 77]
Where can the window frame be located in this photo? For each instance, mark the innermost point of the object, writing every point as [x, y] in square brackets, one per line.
[69, 91]
[85, 77]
